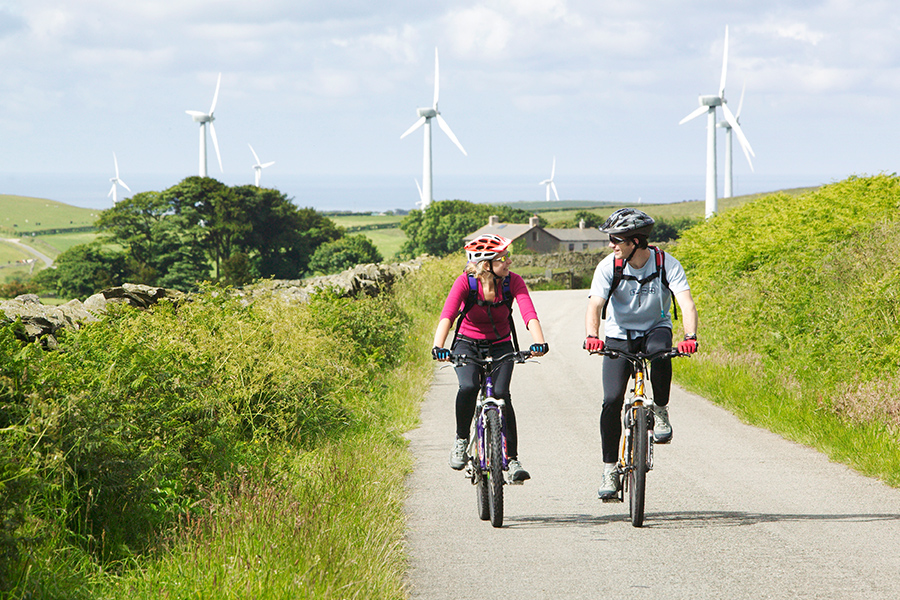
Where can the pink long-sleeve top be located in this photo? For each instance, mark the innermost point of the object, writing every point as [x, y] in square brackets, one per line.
[478, 321]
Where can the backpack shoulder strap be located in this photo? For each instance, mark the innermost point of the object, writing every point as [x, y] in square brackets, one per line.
[618, 270]
[471, 300]
[661, 269]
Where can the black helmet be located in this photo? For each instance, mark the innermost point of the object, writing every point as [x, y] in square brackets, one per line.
[628, 221]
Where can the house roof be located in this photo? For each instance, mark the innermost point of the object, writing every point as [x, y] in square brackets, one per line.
[588, 234]
[512, 231]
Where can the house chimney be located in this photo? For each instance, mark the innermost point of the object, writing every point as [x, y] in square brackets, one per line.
[534, 221]
[581, 224]
[493, 221]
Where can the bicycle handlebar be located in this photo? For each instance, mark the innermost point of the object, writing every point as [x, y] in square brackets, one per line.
[641, 356]
[463, 359]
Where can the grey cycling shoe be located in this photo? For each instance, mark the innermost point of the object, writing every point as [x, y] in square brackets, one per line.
[662, 428]
[609, 485]
[458, 456]
[517, 472]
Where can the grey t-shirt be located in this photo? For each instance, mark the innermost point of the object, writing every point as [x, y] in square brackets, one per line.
[635, 308]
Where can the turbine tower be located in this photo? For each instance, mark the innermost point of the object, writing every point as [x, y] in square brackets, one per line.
[204, 118]
[116, 182]
[259, 167]
[708, 105]
[549, 182]
[729, 186]
[425, 117]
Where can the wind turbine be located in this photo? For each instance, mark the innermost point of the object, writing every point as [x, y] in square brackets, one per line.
[729, 187]
[549, 182]
[259, 167]
[116, 182]
[421, 201]
[708, 105]
[204, 118]
[425, 116]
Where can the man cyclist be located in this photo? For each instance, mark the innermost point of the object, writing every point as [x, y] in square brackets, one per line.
[636, 320]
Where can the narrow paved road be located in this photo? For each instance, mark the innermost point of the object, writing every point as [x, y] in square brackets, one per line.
[47, 260]
[733, 511]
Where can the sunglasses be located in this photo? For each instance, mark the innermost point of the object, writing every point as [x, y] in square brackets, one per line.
[504, 258]
[616, 240]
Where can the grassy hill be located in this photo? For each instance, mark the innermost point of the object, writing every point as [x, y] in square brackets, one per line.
[23, 215]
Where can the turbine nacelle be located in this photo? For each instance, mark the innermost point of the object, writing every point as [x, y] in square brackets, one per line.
[712, 101]
[427, 113]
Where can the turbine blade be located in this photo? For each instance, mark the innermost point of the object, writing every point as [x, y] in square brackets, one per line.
[553, 169]
[112, 190]
[553, 185]
[449, 133]
[742, 139]
[212, 133]
[212, 108]
[124, 185]
[699, 111]
[254, 154]
[737, 115]
[419, 187]
[724, 66]
[196, 113]
[116, 162]
[415, 126]
[548, 192]
[268, 164]
[437, 79]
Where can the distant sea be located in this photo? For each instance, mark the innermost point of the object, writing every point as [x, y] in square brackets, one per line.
[388, 192]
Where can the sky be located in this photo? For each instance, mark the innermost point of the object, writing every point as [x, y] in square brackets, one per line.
[325, 89]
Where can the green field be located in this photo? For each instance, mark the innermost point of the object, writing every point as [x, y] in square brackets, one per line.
[20, 214]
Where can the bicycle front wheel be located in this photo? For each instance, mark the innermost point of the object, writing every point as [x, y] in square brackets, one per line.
[637, 475]
[494, 446]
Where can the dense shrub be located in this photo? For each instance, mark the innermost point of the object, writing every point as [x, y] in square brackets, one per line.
[115, 437]
[806, 287]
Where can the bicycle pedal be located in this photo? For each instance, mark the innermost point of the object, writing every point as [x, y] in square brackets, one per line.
[615, 500]
[511, 482]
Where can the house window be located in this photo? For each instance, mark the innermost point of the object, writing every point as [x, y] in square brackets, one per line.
[571, 247]
[584, 246]
[534, 236]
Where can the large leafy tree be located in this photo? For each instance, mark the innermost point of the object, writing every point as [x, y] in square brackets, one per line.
[83, 270]
[439, 229]
[172, 237]
[345, 253]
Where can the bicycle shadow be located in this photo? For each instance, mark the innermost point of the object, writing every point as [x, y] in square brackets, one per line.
[705, 519]
[690, 519]
[576, 520]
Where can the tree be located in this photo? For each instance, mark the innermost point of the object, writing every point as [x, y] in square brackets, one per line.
[440, 228]
[344, 253]
[83, 270]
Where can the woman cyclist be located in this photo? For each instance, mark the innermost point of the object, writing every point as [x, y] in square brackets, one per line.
[484, 330]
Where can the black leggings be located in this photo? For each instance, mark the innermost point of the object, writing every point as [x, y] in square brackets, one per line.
[617, 371]
[470, 384]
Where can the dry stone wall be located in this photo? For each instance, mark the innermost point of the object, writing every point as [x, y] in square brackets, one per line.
[42, 322]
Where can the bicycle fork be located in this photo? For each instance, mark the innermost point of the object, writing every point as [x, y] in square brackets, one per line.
[478, 442]
[638, 398]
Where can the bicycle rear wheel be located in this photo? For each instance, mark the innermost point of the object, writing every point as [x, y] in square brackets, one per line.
[494, 446]
[637, 475]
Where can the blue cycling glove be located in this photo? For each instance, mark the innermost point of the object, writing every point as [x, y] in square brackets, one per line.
[438, 353]
[540, 348]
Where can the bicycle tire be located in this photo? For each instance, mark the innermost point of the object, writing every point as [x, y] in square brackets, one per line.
[637, 475]
[494, 446]
[482, 495]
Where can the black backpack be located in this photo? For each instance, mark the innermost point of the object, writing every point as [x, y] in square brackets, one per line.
[619, 275]
[472, 299]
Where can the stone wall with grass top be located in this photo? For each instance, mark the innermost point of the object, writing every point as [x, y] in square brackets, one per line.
[43, 322]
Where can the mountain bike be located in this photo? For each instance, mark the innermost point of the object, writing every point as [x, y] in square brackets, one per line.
[487, 438]
[636, 445]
